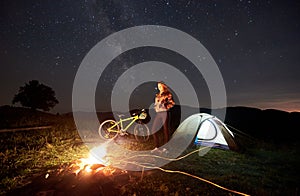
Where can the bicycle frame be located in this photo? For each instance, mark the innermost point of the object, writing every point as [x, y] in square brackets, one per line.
[120, 122]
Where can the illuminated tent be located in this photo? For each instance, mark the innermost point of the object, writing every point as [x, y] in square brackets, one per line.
[212, 132]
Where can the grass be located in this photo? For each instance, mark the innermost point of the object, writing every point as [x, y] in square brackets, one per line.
[24, 154]
[258, 170]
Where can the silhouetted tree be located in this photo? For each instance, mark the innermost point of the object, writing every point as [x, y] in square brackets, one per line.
[36, 96]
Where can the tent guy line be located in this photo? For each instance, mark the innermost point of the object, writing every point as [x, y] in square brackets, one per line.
[181, 172]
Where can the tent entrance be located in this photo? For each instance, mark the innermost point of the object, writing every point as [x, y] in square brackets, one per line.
[214, 133]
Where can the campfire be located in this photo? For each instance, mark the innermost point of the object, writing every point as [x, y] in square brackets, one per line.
[94, 163]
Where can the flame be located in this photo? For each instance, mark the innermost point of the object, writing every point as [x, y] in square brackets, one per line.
[95, 162]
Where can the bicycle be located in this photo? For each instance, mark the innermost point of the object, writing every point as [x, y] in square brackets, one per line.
[110, 129]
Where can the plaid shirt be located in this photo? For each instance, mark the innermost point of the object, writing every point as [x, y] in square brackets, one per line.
[163, 102]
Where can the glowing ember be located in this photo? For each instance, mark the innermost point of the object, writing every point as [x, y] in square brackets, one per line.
[96, 161]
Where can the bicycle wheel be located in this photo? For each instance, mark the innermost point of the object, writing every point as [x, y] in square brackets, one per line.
[141, 132]
[109, 134]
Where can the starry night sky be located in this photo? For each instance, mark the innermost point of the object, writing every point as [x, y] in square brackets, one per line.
[255, 44]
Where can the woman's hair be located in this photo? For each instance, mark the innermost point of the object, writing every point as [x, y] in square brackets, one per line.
[165, 87]
[165, 97]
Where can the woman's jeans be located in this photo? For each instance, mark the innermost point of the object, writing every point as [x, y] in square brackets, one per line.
[161, 119]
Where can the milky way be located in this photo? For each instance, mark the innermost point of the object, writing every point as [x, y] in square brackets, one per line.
[255, 44]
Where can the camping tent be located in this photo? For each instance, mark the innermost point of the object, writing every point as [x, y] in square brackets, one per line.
[212, 132]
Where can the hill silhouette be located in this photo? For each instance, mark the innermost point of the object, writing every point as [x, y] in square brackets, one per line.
[269, 125]
[15, 117]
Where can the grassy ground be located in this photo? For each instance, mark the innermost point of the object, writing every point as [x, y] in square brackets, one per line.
[261, 172]
[258, 170]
